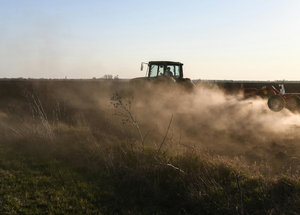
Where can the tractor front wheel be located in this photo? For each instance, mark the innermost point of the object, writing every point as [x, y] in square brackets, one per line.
[276, 103]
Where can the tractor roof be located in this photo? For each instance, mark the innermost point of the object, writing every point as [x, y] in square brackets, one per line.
[165, 62]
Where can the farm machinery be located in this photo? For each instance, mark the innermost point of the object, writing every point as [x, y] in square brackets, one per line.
[169, 74]
[277, 100]
[163, 73]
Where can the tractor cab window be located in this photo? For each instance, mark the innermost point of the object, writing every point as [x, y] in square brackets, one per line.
[153, 71]
[156, 70]
[161, 70]
[174, 70]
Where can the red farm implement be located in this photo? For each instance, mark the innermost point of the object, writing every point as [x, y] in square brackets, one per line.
[277, 99]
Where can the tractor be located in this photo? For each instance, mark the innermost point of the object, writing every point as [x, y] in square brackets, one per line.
[163, 73]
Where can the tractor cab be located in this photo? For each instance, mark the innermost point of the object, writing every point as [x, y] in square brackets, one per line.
[164, 68]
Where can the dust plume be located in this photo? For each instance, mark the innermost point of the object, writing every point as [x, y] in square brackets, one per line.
[210, 119]
[206, 118]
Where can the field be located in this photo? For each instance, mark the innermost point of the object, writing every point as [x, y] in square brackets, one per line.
[93, 147]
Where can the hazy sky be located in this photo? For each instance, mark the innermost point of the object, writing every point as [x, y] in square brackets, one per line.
[215, 39]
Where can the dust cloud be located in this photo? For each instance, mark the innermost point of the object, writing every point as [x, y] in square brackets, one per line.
[209, 119]
[206, 118]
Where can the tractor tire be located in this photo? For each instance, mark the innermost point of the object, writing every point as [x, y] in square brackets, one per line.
[293, 103]
[276, 103]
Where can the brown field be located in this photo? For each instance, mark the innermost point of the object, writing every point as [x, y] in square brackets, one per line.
[240, 134]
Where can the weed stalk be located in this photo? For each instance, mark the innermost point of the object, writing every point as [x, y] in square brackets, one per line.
[117, 102]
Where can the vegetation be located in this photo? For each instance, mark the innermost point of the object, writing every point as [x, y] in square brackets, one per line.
[64, 166]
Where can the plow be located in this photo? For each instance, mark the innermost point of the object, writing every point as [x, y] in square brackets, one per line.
[277, 100]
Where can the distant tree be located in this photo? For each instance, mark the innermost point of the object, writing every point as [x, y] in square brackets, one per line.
[107, 77]
[116, 77]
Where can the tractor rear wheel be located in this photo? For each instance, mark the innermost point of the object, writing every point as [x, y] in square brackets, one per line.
[293, 103]
[276, 103]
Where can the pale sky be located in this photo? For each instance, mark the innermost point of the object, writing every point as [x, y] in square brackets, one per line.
[215, 39]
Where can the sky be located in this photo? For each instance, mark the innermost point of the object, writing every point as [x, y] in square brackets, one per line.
[216, 39]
